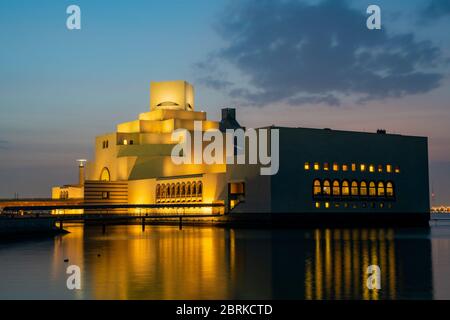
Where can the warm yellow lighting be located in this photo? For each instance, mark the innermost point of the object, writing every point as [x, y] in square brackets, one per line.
[326, 188]
[371, 168]
[397, 170]
[317, 204]
[105, 176]
[363, 189]
[317, 188]
[344, 167]
[354, 189]
[335, 167]
[326, 167]
[388, 168]
[380, 189]
[345, 188]
[389, 189]
[336, 188]
[306, 166]
[353, 167]
[125, 142]
[372, 189]
[380, 168]
[316, 166]
[362, 167]
[327, 205]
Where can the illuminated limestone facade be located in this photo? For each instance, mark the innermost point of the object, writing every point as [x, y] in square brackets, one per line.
[320, 170]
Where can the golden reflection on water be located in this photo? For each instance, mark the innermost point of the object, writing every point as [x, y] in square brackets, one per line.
[163, 262]
[337, 268]
[159, 263]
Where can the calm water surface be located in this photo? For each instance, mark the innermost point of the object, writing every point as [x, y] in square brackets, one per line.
[164, 262]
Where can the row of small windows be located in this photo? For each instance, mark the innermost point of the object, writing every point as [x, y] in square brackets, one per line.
[105, 144]
[64, 194]
[352, 167]
[373, 205]
[179, 192]
[355, 188]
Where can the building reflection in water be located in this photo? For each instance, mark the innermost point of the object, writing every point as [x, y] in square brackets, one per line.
[333, 265]
[163, 262]
[337, 268]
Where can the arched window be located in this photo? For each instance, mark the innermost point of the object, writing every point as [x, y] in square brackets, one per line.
[194, 189]
[183, 190]
[326, 190]
[316, 166]
[105, 176]
[389, 189]
[172, 190]
[363, 189]
[372, 189]
[326, 166]
[354, 189]
[345, 188]
[188, 190]
[177, 190]
[168, 191]
[317, 189]
[199, 189]
[380, 189]
[336, 188]
[163, 191]
[306, 166]
[158, 192]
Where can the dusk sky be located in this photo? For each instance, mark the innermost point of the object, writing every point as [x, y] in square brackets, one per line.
[289, 63]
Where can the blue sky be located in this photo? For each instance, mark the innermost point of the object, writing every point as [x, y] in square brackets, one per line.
[61, 88]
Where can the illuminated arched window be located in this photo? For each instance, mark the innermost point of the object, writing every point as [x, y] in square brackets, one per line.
[389, 189]
[326, 190]
[336, 188]
[105, 176]
[371, 168]
[354, 190]
[316, 166]
[363, 189]
[199, 189]
[372, 189]
[380, 189]
[326, 166]
[335, 167]
[317, 189]
[306, 166]
[345, 188]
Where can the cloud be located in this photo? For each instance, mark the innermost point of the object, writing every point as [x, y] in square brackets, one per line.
[4, 145]
[437, 9]
[301, 53]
